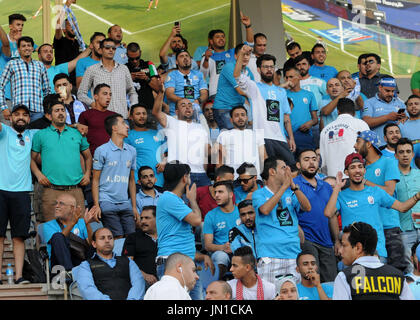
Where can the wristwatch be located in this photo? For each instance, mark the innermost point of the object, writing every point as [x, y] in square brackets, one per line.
[295, 189]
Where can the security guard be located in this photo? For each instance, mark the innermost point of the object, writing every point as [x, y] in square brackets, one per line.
[367, 278]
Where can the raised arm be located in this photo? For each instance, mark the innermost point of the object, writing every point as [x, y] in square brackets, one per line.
[157, 107]
[331, 207]
[163, 53]
[5, 43]
[84, 54]
[246, 21]
[406, 205]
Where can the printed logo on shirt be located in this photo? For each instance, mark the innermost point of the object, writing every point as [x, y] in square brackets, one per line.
[284, 217]
[273, 110]
[27, 139]
[352, 204]
[139, 141]
[378, 172]
[288, 200]
[227, 55]
[128, 163]
[156, 138]
[371, 200]
[305, 100]
[221, 225]
[336, 134]
[112, 163]
[195, 78]
[238, 222]
[219, 66]
[76, 231]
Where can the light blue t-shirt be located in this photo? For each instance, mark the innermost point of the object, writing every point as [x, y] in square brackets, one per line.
[15, 160]
[174, 234]
[410, 129]
[219, 223]
[240, 194]
[315, 85]
[325, 72]
[227, 97]
[389, 154]
[385, 169]
[303, 103]
[54, 70]
[312, 293]
[115, 165]
[364, 206]
[278, 235]
[121, 55]
[184, 88]
[240, 242]
[51, 227]
[149, 147]
[376, 107]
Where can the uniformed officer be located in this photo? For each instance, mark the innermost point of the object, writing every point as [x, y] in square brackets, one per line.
[366, 278]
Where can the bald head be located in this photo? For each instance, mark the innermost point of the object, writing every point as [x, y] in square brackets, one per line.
[219, 290]
[64, 207]
[182, 267]
[334, 88]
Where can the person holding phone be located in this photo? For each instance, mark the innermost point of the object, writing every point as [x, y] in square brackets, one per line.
[383, 108]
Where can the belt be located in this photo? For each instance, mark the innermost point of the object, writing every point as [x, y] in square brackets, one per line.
[55, 187]
[161, 260]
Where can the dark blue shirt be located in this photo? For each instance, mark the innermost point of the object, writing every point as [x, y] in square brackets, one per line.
[314, 223]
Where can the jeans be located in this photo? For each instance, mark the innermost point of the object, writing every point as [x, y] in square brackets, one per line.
[395, 249]
[220, 257]
[325, 259]
[409, 238]
[36, 115]
[222, 117]
[118, 218]
[200, 179]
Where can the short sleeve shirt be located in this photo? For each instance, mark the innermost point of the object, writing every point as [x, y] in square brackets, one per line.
[60, 154]
[54, 70]
[219, 223]
[174, 234]
[115, 165]
[303, 103]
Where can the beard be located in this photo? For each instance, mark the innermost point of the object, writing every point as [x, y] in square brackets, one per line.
[303, 73]
[19, 128]
[140, 125]
[267, 78]
[308, 174]
[146, 187]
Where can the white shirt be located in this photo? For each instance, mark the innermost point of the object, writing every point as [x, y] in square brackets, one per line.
[271, 129]
[251, 293]
[342, 288]
[241, 146]
[252, 65]
[187, 142]
[167, 288]
[337, 141]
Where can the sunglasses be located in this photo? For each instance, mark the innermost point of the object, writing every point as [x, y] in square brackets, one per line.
[187, 80]
[21, 141]
[281, 276]
[369, 62]
[245, 180]
[134, 59]
[110, 47]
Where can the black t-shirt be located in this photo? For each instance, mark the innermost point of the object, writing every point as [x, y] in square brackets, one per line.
[145, 93]
[144, 250]
[66, 50]
[41, 123]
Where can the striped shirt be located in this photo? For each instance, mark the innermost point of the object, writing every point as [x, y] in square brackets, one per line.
[29, 84]
[119, 79]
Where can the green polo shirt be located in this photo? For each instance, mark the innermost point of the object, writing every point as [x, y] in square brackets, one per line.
[60, 154]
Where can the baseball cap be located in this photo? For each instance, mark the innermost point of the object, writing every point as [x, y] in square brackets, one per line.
[173, 172]
[353, 157]
[20, 106]
[371, 137]
[387, 82]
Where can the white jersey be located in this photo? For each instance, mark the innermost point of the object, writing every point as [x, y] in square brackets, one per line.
[337, 141]
[269, 104]
[251, 293]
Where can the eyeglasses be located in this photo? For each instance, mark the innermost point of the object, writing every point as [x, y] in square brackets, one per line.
[245, 180]
[369, 61]
[282, 276]
[21, 141]
[134, 59]
[268, 67]
[110, 47]
[187, 80]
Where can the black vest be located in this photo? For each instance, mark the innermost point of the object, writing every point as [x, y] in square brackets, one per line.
[114, 282]
[383, 283]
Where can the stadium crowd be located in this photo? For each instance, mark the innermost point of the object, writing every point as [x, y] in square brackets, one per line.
[289, 182]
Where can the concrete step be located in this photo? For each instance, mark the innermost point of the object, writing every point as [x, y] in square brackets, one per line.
[23, 292]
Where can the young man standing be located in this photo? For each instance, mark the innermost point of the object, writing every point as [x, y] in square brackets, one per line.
[15, 185]
[408, 185]
[270, 108]
[217, 225]
[319, 69]
[147, 142]
[383, 172]
[410, 128]
[114, 164]
[248, 285]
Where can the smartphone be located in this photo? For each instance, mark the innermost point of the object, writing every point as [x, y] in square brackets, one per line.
[401, 110]
[176, 23]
